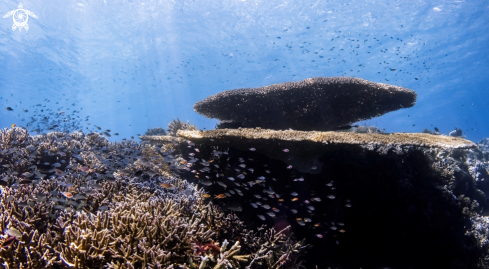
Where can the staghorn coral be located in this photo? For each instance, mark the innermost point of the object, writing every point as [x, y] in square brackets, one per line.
[320, 103]
[75, 200]
[175, 125]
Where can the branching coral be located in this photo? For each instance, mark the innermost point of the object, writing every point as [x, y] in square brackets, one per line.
[176, 125]
[75, 200]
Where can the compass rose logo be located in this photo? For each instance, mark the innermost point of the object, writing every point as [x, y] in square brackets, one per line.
[20, 17]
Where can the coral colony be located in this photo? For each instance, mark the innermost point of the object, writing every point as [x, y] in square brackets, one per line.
[285, 182]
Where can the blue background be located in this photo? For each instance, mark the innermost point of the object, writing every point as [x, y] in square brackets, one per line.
[134, 65]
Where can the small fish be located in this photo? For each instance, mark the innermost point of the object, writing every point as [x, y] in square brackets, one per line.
[254, 205]
[252, 149]
[67, 194]
[317, 199]
[9, 109]
[206, 195]
[331, 196]
[285, 150]
[241, 176]
[294, 211]
[231, 178]
[271, 214]
[261, 217]
[220, 196]
[13, 125]
[314, 168]
[191, 154]
[25, 181]
[242, 165]
[289, 167]
[80, 197]
[294, 194]
[197, 150]
[295, 199]
[168, 186]
[97, 187]
[307, 220]
[251, 170]
[14, 232]
[319, 235]
[348, 205]
[235, 207]
[8, 242]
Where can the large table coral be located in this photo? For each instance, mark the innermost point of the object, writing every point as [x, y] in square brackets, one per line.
[320, 103]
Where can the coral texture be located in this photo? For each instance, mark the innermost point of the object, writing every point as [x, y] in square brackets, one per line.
[175, 125]
[320, 103]
[155, 131]
[75, 200]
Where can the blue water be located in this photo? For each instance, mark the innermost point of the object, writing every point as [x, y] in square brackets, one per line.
[133, 65]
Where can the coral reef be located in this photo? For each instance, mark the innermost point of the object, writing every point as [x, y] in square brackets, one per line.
[75, 200]
[320, 103]
[175, 125]
[306, 147]
[155, 131]
[375, 204]
[365, 130]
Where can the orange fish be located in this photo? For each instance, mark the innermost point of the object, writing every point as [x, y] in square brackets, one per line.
[295, 199]
[280, 200]
[206, 195]
[167, 186]
[220, 196]
[67, 194]
[13, 125]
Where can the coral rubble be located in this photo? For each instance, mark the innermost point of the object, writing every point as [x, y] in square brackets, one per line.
[320, 103]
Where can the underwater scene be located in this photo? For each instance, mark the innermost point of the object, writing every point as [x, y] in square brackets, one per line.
[225, 134]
